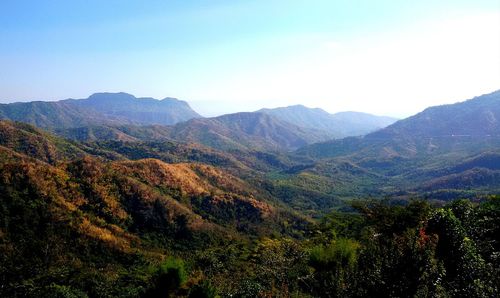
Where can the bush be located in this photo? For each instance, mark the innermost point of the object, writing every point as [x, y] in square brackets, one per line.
[203, 290]
[341, 253]
[169, 277]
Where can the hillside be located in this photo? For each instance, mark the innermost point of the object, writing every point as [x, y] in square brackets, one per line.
[340, 125]
[22, 141]
[180, 170]
[458, 127]
[246, 131]
[425, 152]
[143, 110]
[240, 131]
[100, 109]
[99, 212]
[33, 143]
[135, 218]
[55, 115]
[477, 117]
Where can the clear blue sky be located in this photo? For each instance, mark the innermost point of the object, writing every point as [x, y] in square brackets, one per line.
[384, 57]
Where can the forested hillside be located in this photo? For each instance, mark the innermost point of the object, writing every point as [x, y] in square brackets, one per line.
[445, 152]
[262, 149]
[220, 207]
[103, 109]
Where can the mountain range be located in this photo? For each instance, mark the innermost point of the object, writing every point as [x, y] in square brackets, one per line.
[419, 155]
[177, 173]
[143, 110]
[247, 130]
[99, 109]
[445, 150]
[440, 129]
[340, 125]
[228, 132]
[100, 200]
[421, 149]
[121, 116]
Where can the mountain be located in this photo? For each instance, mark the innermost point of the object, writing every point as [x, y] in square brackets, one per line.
[94, 214]
[340, 125]
[239, 131]
[246, 164]
[450, 148]
[247, 131]
[121, 116]
[163, 218]
[421, 154]
[143, 110]
[22, 139]
[458, 127]
[357, 123]
[109, 109]
[477, 117]
[55, 114]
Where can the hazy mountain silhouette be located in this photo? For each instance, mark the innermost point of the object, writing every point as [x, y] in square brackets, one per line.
[340, 125]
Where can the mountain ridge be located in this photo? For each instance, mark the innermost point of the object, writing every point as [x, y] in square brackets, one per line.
[99, 109]
[246, 130]
[435, 152]
[340, 124]
[433, 129]
[104, 217]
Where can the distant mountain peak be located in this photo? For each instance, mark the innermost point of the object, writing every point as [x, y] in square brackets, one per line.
[474, 117]
[111, 96]
[144, 110]
[463, 126]
[247, 130]
[103, 108]
[123, 96]
[292, 107]
[339, 125]
[297, 106]
[171, 98]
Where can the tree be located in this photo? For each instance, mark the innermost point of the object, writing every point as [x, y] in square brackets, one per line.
[334, 266]
[169, 277]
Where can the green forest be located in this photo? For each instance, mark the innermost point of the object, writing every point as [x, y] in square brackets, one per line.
[249, 149]
[135, 211]
[380, 249]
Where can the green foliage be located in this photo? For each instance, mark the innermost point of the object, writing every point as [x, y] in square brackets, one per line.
[334, 264]
[92, 227]
[58, 291]
[467, 273]
[278, 264]
[169, 277]
[341, 253]
[203, 290]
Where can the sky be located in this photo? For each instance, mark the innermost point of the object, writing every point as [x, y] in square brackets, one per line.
[382, 57]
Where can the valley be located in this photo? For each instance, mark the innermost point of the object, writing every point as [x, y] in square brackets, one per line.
[118, 196]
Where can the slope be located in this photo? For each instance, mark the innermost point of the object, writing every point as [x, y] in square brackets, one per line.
[145, 110]
[460, 127]
[108, 109]
[55, 115]
[102, 225]
[448, 150]
[30, 141]
[246, 131]
[340, 125]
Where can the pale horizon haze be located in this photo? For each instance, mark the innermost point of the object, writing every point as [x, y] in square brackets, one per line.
[391, 58]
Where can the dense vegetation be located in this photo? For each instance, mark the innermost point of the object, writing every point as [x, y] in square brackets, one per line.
[131, 212]
[107, 220]
[52, 248]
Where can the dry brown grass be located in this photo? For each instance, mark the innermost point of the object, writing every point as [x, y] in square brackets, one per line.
[113, 236]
